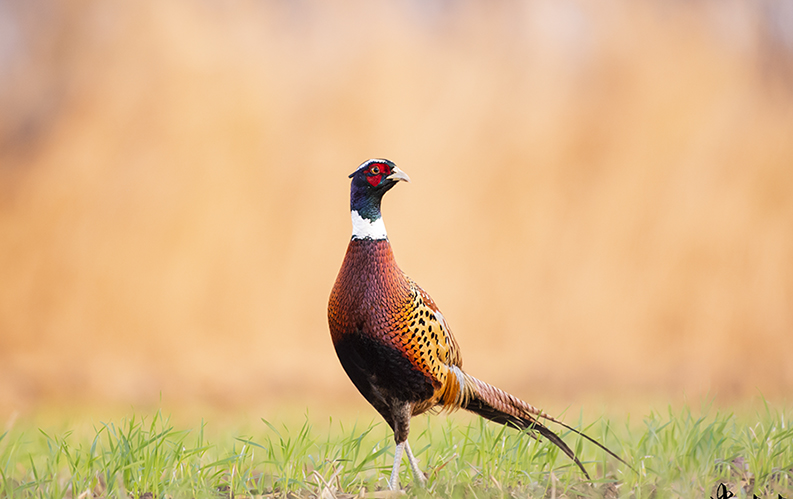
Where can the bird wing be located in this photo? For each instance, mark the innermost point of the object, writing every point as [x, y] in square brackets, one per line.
[429, 343]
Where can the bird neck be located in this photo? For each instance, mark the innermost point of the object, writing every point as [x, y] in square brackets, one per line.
[366, 228]
[367, 223]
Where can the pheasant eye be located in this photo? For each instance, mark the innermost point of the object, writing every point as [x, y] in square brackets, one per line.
[375, 170]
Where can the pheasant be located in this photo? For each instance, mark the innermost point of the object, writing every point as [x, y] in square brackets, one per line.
[394, 342]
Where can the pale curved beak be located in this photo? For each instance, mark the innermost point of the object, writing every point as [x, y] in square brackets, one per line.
[398, 174]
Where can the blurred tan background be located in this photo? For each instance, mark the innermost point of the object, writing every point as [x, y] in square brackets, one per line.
[602, 195]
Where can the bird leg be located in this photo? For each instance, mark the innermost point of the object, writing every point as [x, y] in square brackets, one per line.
[393, 482]
[414, 464]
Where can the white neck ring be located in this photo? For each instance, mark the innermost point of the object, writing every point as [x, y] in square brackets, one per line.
[363, 228]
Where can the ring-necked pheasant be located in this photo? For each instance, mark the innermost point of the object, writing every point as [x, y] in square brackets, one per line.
[394, 343]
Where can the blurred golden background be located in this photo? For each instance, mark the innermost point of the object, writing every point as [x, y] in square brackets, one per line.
[602, 195]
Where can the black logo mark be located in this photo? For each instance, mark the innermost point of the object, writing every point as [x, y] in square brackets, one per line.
[723, 493]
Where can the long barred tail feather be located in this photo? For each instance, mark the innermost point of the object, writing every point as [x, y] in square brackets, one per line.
[499, 406]
[606, 449]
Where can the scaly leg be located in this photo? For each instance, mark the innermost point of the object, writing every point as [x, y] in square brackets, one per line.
[393, 483]
[414, 464]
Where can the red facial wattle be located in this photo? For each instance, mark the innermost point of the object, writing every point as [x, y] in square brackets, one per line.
[376, 172]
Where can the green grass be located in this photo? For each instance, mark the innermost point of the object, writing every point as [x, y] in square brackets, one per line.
[676, 454]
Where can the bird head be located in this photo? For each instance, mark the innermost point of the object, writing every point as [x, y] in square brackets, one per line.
[370, 181]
